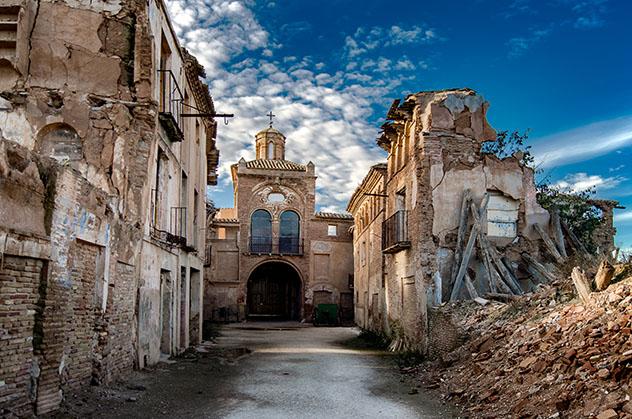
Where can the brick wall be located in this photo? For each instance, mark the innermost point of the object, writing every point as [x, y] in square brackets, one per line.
[19, 284]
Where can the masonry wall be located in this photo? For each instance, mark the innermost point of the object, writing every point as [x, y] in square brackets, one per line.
[434, 143]
[20, 282]
[78, 131]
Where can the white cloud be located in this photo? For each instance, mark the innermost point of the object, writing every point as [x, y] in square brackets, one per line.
[623, 216]
[579, 182]
[616, 169]
[519, 45]
[323, 114]
[583, 143]
[368, 39]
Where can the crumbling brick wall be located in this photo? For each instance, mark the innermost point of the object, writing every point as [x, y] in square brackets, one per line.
[20, 282]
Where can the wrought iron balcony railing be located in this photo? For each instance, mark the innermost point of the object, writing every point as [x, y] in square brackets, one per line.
[280, 246]
[171, 104]
[395, 232]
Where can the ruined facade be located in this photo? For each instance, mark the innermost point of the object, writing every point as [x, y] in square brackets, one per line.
[408, 213]
[94, 153]
[272, 256]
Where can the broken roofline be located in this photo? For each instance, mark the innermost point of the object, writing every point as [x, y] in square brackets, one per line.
[375, 172]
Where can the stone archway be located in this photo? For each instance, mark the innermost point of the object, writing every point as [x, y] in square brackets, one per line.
[274, 292]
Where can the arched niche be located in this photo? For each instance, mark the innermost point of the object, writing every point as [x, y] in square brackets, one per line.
[60, 141]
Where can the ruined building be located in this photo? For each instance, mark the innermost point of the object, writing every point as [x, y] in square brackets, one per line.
[102, 195]
[412, 215]
[272, 256]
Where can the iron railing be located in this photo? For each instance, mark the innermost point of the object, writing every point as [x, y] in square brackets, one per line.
[395, 232]
[178, 225]
[171, 105]
[280, 246]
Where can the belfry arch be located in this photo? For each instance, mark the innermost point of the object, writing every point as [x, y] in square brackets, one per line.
[274, 292]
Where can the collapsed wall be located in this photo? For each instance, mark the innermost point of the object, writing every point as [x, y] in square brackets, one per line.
[76, 121]
[456, 222]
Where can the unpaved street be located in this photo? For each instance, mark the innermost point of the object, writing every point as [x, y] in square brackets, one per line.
[291, 372]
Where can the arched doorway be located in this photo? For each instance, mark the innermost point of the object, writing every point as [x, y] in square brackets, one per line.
[274, 292]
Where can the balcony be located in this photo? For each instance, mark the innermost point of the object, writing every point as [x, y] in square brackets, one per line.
[282, 246]
[171, 103]
[395, 233]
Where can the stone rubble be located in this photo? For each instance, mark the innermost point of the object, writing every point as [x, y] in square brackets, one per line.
[544, 355]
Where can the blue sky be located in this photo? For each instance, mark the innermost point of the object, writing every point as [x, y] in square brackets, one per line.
[330, 69]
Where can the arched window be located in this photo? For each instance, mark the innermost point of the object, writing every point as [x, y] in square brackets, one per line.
[270, 150]
[289, 233]
[261, 232]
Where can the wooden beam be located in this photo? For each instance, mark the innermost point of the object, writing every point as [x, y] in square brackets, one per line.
[467, 253]
[460, 237]
[550, 246]
[581, 285]
[540, 268]
[579, 246]
[558, 234]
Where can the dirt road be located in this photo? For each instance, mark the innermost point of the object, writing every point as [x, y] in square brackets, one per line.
[267, 371]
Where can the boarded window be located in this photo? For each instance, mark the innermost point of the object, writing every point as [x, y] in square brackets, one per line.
[502, 216]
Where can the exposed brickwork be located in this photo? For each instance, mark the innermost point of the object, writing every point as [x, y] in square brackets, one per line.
[19, 284]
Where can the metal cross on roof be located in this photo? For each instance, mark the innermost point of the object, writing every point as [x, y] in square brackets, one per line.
[271, 115]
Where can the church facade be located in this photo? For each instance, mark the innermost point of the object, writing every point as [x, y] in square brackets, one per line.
[272, 256]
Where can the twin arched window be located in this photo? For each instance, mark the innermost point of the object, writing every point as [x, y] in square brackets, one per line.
[261, 232]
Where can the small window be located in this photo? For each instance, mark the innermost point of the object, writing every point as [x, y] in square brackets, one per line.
[270, 151]
[8, 32]
[332, 230]
[221, 233]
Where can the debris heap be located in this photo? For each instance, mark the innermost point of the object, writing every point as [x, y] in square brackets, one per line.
[545, 354]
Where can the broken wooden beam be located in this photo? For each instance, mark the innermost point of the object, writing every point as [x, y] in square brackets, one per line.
[548, 243]
[467, 253]
[604, 275]
[540, 268]
[579, 246]
[504, 298]
[581, 285]
[558, 234]
[460, 237]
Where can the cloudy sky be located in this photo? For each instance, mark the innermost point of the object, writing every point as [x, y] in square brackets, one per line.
[329, 70]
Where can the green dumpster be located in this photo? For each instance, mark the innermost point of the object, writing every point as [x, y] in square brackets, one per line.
[326, 315]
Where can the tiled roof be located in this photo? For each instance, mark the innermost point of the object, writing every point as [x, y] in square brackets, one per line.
[340, 216]
[226, 220]
[275, 165]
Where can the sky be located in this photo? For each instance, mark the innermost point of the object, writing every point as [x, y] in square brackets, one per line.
[329, 70]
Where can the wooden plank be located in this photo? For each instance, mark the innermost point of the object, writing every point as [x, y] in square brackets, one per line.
[460, 237]
[505, 298]
[539, 267]
[579, 246]
[558, 234]
[581, 285]
[548, 243]
[467, 253]
[470, 287]
[505, 275]
[604, 275]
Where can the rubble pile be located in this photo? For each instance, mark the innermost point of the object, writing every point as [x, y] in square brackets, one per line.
[543, 355]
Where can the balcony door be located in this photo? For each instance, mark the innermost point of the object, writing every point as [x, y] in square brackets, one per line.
[289, 233]
[261, 232]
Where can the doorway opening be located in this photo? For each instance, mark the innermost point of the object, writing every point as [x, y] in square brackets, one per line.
[274, 292]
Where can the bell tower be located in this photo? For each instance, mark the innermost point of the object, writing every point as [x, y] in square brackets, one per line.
[270, 143]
